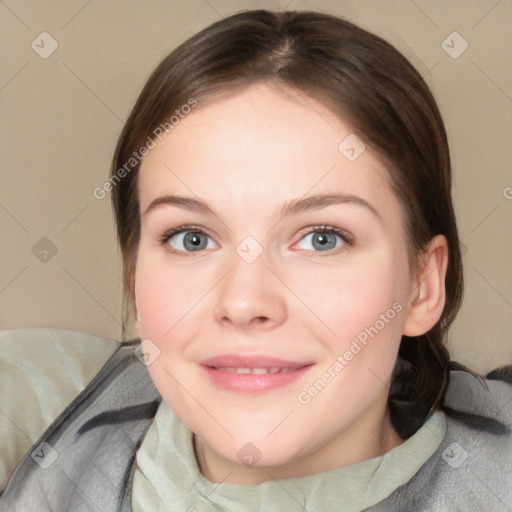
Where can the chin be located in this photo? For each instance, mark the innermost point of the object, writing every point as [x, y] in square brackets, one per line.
[259, 452]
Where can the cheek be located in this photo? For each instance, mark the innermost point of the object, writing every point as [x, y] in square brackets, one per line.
[364, 308]
[350, 299]
[154, 297]
[165, 294]
[166, 302]
[366, 314]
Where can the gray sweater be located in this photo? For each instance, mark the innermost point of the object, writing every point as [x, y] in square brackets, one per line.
[85, 460]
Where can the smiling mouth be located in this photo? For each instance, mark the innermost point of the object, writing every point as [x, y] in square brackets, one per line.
[253, 374]
[254, 371]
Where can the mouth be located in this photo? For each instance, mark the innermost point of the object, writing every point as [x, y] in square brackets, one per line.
[253, 374]
[254, 371]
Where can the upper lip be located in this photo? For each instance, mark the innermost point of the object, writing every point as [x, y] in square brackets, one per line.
[238, 361]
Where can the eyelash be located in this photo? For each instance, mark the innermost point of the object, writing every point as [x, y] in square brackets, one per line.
[344, 235]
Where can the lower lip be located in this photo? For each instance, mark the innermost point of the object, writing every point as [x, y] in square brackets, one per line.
[253, 383]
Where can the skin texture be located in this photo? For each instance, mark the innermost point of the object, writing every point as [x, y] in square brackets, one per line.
[246, 155]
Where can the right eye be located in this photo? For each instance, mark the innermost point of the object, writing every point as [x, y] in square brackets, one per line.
[185, 239]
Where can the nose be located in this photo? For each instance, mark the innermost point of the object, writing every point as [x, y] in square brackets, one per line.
[250, 296]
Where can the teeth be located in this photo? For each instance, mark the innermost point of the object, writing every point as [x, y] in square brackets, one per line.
[255, 371]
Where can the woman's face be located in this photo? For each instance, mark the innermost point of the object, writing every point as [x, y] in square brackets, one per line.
[272, 340]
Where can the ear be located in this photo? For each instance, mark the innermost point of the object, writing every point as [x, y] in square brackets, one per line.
[428, 293]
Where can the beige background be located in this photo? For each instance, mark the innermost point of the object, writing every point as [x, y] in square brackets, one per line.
[61, 117]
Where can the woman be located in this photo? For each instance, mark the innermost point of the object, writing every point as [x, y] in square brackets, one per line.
[282, 193]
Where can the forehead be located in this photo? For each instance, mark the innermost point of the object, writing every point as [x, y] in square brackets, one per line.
[261, 144]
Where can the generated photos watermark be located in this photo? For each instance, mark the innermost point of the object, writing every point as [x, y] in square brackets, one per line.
[357, 344]
[137, 156]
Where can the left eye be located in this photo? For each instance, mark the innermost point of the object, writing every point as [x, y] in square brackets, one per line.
[325, 239]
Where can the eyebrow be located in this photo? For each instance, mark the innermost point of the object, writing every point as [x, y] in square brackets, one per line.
[293, 207]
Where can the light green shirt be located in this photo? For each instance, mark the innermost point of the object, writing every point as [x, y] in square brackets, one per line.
[168, 477]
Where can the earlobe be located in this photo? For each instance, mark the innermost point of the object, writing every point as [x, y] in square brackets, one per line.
[427, 298]
[418, 299]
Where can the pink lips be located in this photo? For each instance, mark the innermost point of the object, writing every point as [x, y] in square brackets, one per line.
[253, 374]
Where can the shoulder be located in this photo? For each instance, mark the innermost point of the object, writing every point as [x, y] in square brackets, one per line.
[41, 371]
[472, 397]
[96, 435]
[471, 468]
[474, 462]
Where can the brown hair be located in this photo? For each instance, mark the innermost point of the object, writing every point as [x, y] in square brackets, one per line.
[371, 86]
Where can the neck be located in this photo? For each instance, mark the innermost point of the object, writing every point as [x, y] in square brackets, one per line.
[357, 443]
